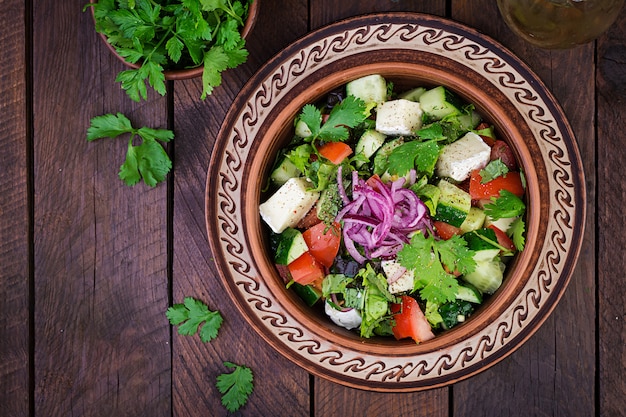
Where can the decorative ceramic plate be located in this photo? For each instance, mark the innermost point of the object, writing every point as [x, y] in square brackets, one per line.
[413, 49]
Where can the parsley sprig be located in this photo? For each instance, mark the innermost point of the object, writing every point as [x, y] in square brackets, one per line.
[148, 160]
[235, 387]
[176, 35]
[189, 315]
[432, 259]
[349, 113]
[193, 315]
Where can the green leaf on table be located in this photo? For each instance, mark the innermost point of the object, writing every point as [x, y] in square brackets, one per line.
[190, 315]
[147, 160]
[235, 387]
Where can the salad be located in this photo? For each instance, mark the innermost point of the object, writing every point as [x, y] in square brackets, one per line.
[394, 212]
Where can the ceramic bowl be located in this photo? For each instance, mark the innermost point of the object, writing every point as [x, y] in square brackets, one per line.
[412, 50]
[185, 73]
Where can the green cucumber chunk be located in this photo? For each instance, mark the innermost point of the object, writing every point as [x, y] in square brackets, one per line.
[290, 245]
[454, 204]
[309, 294]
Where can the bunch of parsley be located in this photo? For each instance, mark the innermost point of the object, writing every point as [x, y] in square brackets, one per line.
[173, 35]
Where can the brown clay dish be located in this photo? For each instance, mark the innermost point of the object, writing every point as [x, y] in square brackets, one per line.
[185, 73]
[411, 50]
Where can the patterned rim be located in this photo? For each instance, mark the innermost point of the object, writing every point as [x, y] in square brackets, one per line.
[402, 47]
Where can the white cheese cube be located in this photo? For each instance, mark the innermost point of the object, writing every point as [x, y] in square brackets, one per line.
[402, 283]
[399, 117]
[287, 206]
[350, 319]
[458, 159]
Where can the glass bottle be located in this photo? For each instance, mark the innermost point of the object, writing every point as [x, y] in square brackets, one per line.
[559, 23]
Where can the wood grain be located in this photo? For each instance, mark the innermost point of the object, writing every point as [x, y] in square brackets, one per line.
[611, 88]
[550, 365]
[278, 384]
[100, 247]
[14, 215]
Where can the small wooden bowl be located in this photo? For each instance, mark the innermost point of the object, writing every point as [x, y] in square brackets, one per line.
[185, 73]
[410, 50]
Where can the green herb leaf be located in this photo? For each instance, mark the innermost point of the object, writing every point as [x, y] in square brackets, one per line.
[414, 154]
[190, 315]
[148, 160]
[235, 387]
[427, 257]
[517, 233]
[493, 170]
[349, 113]
[505, 206]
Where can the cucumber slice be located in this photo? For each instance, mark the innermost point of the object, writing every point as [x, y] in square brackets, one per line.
[309, 294]
[489, 272]
[468, 292]
[369, 142]
[291, 245]
[454, 204]
[284, 171]
[413, 94]
[474, 220]
[380, 159]
[372, 89]
[302, 129]
[438, 103]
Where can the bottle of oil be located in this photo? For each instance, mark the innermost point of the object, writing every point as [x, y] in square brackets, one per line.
[559, 24]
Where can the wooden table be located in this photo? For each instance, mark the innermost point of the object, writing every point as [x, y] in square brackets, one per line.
[88, 265]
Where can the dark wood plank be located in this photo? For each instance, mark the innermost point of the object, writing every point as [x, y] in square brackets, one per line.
[14, 274]
[100, 248]
[280, 388]
[553, 373]
[331, 398]
[611, 86]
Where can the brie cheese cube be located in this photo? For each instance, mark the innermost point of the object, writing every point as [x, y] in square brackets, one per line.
[350, 319]
[404, 279]
[458, 159]
[287, 206]
[399, 117]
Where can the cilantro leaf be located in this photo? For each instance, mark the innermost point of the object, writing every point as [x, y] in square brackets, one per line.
[516, 232]
[349, 113]
[414, 154]
[494, 169]
[505, 206]
[148, 160]
[235, 387]
[190, 315]
[427, 257]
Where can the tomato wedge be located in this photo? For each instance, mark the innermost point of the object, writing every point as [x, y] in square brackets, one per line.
[410, 321]
[503, 239]
[335, 152]
[306, 269]
[323, 242]
[446, 230]
[512, 181]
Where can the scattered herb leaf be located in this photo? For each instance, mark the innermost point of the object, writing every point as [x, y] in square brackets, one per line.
[189, 315]
[148, 159]
[414, 154]
[235, 387]
[516, 232]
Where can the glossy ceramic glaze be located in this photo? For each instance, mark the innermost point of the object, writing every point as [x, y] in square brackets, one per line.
[187, 73]
[410, 50]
